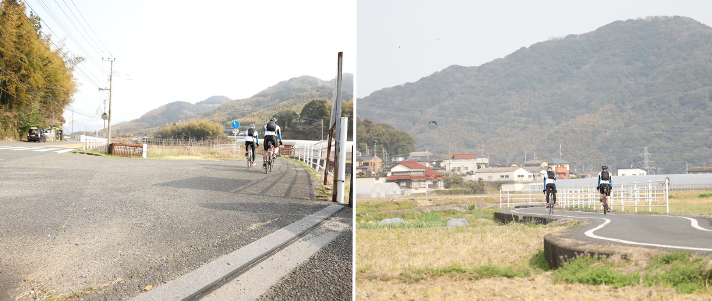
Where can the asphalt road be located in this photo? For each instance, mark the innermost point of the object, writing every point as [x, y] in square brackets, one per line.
[663, 232]
[114, 226]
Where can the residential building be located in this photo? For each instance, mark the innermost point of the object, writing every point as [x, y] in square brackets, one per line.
[560, 167]
[415, 177]
[634, 171]
[536, 162]
[376, 179]
[415, 156]
[464, 163]
[538, 173]
[369, 165]
[512, 178]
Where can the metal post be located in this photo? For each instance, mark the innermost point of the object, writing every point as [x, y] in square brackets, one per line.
[667, 201]
[341, 177]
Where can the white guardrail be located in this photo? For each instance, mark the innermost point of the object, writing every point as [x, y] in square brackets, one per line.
[314, 155]
[89, 142]
[649, 194]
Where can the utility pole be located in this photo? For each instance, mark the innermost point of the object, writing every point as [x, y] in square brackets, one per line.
[111, 85]
[72, 124]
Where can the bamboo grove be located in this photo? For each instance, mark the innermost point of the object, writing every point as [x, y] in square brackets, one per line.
[36, 82]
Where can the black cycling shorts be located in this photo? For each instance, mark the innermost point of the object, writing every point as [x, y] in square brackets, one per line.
[270, 140]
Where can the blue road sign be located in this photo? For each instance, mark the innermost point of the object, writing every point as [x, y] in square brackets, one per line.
[235, 124]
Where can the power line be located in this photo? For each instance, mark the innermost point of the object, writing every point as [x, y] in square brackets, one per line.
[72, 22]
[67, 32]
[92, 30]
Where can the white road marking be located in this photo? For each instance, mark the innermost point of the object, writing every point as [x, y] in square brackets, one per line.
[695, 225]
[590, 234]
[58, 150]
[45, 149]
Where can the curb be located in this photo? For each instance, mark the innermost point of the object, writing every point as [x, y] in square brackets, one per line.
[556, 249]
[206, 277]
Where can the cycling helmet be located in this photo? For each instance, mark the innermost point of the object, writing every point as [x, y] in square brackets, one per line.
[549, 169]
[604, 167]
[273, 119]
[252, 126]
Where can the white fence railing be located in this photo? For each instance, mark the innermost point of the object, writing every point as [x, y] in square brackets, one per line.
[89, 142]
[648, 194]
[314, 155]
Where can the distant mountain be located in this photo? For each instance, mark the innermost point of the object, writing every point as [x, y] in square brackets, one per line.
[291, 94]
[172, 112]
[214, 100]
[598, 98]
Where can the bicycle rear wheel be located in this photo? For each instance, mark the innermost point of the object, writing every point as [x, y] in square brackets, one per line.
[249, 158]
[268, 162]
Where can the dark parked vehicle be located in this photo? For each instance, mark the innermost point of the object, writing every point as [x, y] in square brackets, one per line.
[34, 134]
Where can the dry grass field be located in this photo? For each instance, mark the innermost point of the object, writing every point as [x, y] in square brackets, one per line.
[484, 261]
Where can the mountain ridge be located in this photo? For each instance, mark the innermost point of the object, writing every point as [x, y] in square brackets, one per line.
[602, 96]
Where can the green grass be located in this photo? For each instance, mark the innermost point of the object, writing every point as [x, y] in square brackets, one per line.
[679, 270]
[705, 195]
[370, 217]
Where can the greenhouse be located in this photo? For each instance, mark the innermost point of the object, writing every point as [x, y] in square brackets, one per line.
[377, 190]
[677, 182]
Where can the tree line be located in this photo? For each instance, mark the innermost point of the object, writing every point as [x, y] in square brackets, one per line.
[36, 81]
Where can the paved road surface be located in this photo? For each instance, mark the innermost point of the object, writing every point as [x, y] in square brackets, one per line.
[664, 232]
[71, 222]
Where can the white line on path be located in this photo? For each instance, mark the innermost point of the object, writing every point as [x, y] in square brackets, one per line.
[45, 149]
[695, 224]
[590, 234]
[65, 150]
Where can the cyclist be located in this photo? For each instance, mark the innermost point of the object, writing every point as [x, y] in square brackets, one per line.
[550, 185]
[272, 133]
[251, 140]
[605, 184]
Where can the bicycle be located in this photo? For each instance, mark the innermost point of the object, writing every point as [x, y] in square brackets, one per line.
[270, 159]
[250, 157]
[550, 195]
[605, 199]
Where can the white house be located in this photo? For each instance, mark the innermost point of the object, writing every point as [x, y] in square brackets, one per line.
[632, 172]
[464, 163]
[512, 178]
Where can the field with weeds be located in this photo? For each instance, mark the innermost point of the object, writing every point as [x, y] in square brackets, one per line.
[422, 259]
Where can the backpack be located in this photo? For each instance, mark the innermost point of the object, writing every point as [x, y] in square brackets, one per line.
[551, 175]
[605, 175]
[251, 132]
[271, 126]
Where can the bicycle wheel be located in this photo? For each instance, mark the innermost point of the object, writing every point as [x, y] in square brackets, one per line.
[249, 158]
[268, 162]
[605, 204]
[271, 163]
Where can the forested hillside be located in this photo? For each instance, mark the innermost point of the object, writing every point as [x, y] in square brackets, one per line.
[602, 96]
[291, 95]
[36, 81]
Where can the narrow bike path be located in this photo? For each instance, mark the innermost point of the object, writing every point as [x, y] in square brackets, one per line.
[663, 232]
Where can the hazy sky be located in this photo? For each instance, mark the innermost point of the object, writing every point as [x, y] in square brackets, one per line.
[403, 41]
[170, 51]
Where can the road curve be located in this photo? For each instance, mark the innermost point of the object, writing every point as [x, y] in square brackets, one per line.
[662, 232]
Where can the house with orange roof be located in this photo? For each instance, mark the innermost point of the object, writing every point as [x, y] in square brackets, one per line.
[415, 177]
